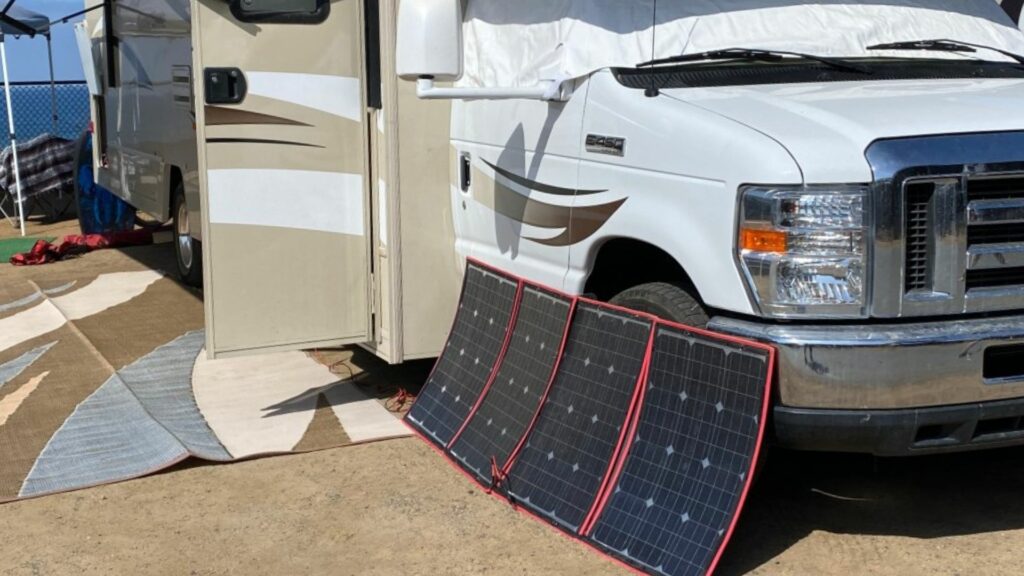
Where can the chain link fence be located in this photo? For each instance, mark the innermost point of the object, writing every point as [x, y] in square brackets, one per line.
[33, 110]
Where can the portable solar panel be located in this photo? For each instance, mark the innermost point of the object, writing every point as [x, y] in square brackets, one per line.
[687, 466]
[514, 397]
[465, 366]
[566, 457]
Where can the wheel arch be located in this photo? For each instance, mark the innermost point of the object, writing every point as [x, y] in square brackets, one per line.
[619, 263]
[174, 178]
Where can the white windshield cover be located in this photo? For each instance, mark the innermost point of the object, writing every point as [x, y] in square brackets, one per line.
[519, 42]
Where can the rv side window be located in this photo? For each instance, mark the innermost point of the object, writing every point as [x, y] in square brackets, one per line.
[371, 15]
[281, 11]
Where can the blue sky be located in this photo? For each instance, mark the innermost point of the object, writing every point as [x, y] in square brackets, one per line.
[27, 56]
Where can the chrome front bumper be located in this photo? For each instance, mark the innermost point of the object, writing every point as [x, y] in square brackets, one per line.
[886, 367]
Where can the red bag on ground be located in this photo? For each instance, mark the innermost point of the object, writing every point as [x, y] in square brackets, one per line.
[45, 252]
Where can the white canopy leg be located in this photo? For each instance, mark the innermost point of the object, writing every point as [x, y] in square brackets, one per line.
[10, 126]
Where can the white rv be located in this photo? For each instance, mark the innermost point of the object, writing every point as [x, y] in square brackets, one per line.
[842, 179]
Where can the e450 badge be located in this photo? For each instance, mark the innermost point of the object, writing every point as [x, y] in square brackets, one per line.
[610, 145]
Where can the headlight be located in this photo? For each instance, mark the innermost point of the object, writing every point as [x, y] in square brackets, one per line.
[803, 251]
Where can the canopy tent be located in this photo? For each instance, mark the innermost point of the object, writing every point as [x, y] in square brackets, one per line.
[17, 21]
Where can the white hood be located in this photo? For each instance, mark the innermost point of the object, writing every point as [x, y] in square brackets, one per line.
[519, 42]
[828, 127]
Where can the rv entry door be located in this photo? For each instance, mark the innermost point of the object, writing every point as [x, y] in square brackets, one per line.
[282, 155]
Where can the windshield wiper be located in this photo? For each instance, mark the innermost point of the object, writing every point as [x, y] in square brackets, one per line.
[943, 45]
[754, 54]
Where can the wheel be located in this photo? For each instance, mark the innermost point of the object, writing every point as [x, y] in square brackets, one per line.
[666, 301]
[188, 251]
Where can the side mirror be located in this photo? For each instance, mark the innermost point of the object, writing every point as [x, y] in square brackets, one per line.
[430, 49]
[430, 40]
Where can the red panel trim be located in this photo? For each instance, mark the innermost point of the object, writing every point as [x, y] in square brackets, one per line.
[433, 370]
[753, 461]
[630, 425]
[441, 451]
[512, 320]
[587, 528]
[625, 439]
[522, 511]
[547, 390]
[723, 337]
[617, 461]
[455, 318]
[607, 306]
[574, 538]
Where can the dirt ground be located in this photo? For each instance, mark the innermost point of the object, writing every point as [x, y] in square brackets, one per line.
[397, 508]
[36, 228]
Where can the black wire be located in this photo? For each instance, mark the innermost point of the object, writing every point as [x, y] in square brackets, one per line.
[64, 19]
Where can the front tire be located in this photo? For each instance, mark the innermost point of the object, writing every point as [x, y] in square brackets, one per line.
[666, 301]
[188, 252]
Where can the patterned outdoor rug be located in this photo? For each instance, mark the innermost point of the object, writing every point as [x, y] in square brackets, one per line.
[103, 377]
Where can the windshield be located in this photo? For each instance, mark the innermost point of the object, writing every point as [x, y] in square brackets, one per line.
[523, 42]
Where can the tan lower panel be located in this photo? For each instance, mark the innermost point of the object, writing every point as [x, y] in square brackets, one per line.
[431, 275]
[297, 297]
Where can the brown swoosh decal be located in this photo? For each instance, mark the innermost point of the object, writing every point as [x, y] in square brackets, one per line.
[540, 186]
[258, 141]
[507, 202]
[579, 223]
[217, 116]
[586, 221]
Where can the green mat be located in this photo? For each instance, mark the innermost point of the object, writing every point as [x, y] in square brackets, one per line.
[11, 246]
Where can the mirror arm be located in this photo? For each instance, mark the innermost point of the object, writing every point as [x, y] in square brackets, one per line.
[546, 90]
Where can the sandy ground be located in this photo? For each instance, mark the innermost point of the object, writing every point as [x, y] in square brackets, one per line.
[397, 508]
[36, 228]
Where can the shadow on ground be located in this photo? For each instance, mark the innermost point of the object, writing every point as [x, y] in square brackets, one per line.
[929, 497]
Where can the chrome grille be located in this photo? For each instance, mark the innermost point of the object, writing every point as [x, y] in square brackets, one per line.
[995, 232]
[948, 224]
[919, 200]
[981, 279]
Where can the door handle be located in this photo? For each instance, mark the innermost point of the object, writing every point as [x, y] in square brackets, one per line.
[465, 172]
[224, 85]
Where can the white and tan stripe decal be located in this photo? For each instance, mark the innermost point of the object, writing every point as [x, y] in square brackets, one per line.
[298, 199]
[337, 95]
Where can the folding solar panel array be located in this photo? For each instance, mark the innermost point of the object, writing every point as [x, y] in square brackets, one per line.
[564, 462]
[465, 366]
[512, 400]
[635, 435]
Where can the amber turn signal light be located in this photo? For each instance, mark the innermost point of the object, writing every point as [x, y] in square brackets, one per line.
[763, 240]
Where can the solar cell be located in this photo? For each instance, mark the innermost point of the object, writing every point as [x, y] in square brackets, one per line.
[514, 397]
[464, 368]
[566, 457]
[687, 466]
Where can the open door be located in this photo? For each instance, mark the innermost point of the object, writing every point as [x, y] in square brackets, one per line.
[282, 158]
